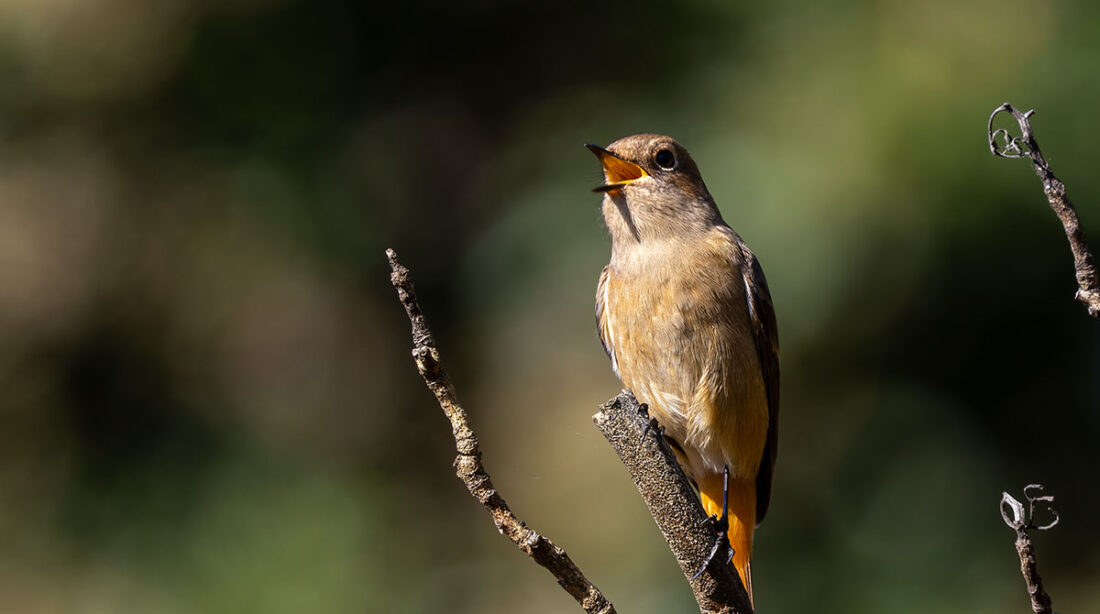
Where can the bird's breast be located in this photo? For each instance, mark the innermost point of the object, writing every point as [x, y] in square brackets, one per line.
[677, 323]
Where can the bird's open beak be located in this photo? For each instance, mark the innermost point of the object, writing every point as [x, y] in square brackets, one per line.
[617, 171]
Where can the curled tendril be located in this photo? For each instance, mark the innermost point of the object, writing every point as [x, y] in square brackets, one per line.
[1047, 500]
[1010, 146]
[1013, 146]
[1009, 504]
[1021, 520]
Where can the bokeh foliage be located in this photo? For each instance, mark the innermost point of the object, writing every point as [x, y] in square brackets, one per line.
[207, 402]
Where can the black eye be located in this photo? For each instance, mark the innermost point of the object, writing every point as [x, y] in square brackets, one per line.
[665, 159]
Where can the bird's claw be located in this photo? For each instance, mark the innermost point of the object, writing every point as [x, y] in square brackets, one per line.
[651, 425]
[722, 540]
[720, 523]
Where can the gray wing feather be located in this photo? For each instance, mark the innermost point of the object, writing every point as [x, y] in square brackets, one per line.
[762, 313]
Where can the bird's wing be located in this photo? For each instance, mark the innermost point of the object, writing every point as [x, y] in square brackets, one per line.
[603, 321]
[762, 314]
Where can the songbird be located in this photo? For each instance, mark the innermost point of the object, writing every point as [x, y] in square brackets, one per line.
[685, 314]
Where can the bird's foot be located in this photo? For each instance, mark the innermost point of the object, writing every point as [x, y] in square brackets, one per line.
[721, 525]
[652, 425]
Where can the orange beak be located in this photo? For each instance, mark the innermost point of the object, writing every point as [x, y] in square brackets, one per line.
[618, 172]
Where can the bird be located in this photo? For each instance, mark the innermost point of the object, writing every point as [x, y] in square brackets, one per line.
[685, 314]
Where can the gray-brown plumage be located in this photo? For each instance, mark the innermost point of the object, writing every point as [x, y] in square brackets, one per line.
[684, 312]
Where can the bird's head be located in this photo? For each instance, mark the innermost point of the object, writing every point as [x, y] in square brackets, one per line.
[652, 189]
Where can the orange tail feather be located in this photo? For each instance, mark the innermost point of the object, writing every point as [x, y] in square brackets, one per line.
[742, 517]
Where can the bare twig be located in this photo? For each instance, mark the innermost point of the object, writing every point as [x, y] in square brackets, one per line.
[673, 504]
[468, 462]
[1088, 281]
[1020, 520]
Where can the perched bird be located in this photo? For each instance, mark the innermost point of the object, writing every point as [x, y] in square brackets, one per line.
[686, 317]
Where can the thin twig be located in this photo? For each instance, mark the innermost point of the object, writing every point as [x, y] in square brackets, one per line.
[1088, 282]
[468, 462]
[1020, 520]
[673, 503]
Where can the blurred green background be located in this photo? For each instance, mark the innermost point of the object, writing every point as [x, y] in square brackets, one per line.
[207, 399]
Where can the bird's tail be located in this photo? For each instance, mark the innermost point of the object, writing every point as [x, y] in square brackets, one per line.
[742, 517]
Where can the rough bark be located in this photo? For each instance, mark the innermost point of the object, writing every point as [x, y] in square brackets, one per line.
[468, 464]
[674, 505]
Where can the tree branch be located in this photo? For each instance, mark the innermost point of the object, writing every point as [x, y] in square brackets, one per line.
[1021, 521]
[673, 503]
[468, 462]
[1088, 281]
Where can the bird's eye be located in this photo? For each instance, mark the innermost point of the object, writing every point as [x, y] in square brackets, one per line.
[665, 159]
